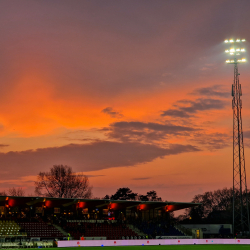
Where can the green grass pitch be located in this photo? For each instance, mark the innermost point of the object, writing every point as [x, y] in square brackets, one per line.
[166, 247]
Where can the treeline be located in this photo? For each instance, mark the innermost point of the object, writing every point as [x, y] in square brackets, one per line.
[216, 207]
[13, 192]
[61, 182]
[127, 194]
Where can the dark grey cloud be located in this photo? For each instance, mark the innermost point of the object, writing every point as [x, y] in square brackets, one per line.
[212, 141]
[4, 145]
[106, 48]
[95, 175]
[215, 90]
[68, 138]
[176, 113]
[147, 132]
[192, 107]
[141, 179]
[85, 157]
[203, 104]
[246, 134]
[81, 135]
[110, 111]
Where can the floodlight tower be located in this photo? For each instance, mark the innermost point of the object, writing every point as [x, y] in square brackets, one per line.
[240, 199]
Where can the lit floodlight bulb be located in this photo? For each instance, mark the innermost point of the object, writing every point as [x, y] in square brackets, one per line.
[231, 40]
[226, 41]
[232, 50]
[242, 50]
[238, 40]
[237, 49]
[227, 51]
[231, 53]
[243, 60]
[237, 54]
[239, 60]
[227, 61]
[232, 61]
[243, 40]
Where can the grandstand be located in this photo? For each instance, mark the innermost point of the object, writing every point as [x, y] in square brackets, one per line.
[43, 218]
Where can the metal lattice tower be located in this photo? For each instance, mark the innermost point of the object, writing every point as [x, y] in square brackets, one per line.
[240, 197]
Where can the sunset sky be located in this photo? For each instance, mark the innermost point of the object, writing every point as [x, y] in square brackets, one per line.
[132, 93]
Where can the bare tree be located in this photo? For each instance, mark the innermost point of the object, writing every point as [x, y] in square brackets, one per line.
[16, 191]
[3, 193]
[216, 207]
[61, 182]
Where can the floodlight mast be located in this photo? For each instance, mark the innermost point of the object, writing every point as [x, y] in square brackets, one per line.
[240, 197]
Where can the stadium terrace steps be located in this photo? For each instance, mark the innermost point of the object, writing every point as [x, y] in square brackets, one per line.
[111, 231]
[40, 229]
[61, 230]
[155, 228]
[136, 230]
[183, 230]
[9, 228]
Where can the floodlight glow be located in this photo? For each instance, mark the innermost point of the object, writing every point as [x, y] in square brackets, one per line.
[235, 51]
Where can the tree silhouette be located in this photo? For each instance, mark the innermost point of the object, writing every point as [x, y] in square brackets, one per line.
[61, 182]
[152, 196]
[124, 194]
[3, 193]
[16, 191]
[216, 207]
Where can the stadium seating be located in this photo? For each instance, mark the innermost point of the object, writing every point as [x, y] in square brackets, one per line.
[40, 229]
[157, 228]
[111, 231]
[9, 228]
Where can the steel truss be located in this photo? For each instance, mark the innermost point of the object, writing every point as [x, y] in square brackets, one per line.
[240, 196]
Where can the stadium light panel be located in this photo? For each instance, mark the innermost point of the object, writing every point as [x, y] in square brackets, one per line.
[235, 51]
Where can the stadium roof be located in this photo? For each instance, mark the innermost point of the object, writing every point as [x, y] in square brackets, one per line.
[49, 202]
